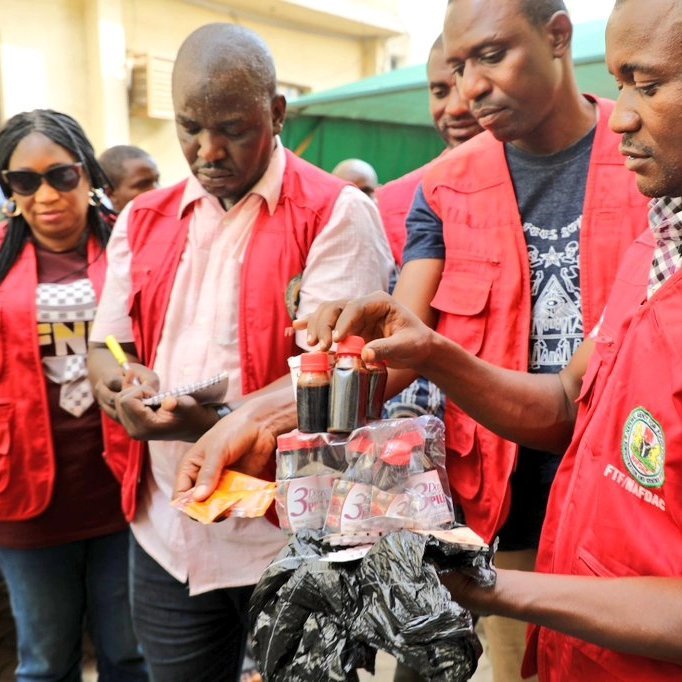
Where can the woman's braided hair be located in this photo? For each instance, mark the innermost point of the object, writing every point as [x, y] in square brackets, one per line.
[67, 133]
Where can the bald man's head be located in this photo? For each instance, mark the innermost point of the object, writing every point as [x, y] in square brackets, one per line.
[227, 109]
[360, 173]
[216, 49]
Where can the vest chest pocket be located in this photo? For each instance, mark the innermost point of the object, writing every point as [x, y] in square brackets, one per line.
[462, 300]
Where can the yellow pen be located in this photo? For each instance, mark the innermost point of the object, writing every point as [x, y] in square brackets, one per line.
[119, 354]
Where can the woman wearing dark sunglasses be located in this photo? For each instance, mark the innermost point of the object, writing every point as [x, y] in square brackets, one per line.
[63, 539]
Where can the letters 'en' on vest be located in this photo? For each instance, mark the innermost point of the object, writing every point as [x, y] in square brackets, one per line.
[484, 298]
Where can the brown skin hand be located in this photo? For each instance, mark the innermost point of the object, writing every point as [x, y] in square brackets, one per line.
[244, 440]
[497, 398]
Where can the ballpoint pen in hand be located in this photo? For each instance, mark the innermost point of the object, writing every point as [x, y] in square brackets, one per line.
[119, 354]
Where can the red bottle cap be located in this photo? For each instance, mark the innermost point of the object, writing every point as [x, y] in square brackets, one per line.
[351, 345]
[397, 453]
[413, 438]
[314, 362]
[295, 440]
[360, 444]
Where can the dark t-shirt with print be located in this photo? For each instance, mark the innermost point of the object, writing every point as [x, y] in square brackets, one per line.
[550, 192]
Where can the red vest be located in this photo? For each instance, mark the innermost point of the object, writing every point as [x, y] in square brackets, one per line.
[394, 200]
[484, 296]
[616, 504]
[275, 258]
[27, 460]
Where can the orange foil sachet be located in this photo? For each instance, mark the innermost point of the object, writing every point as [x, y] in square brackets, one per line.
[237, 495]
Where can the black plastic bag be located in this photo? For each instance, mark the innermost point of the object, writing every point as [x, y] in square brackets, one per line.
[317, 620]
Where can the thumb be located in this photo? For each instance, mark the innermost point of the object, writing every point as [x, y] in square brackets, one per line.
[184, 478]
[382, 350]
[207, 478]
[170, 403]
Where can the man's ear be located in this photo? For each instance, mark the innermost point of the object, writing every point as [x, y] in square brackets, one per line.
[279, 111]
[560, 31]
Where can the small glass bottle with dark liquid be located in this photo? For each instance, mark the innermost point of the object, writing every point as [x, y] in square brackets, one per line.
[377, 387]
[312, 393]
[393, 465]
[350, 499]
[349, 387]
[304, 482]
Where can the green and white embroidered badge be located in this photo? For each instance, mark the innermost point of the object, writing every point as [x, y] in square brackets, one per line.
[643, 448]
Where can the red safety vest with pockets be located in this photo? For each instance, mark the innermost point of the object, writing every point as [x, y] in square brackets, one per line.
[484, 297]
[615, 509]
[27, 459]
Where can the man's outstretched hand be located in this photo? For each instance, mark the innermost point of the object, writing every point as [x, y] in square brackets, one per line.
[245, 440]
[395, 334]
[234, 442]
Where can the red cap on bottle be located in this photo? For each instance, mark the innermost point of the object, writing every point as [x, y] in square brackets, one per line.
[351, 345]
[413, 438]
[397, 453]
[314, 362]
[295, 440]
[360, 444]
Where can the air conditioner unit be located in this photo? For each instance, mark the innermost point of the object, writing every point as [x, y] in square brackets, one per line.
[150, 88]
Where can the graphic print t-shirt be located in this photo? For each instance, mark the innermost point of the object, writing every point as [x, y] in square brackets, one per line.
[550, 192]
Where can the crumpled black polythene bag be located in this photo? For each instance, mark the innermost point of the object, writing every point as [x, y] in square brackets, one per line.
[317, 620]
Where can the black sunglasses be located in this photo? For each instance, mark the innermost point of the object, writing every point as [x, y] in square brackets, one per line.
[64, 178]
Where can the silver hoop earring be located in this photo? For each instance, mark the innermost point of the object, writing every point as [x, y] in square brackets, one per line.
[95, 196]
[10, 209]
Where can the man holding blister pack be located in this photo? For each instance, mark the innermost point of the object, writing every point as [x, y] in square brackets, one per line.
[204, 278]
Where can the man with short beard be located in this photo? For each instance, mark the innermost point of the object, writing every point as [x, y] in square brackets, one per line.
[454, 123]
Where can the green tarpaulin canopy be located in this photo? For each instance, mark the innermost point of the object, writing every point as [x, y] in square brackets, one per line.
[385, 119]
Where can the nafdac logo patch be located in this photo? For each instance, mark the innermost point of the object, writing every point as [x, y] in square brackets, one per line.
[644, 448]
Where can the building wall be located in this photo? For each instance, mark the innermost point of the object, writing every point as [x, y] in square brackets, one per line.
[42, 57]
[76, 56]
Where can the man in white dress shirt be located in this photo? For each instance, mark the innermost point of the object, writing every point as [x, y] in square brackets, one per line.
[205, 277]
